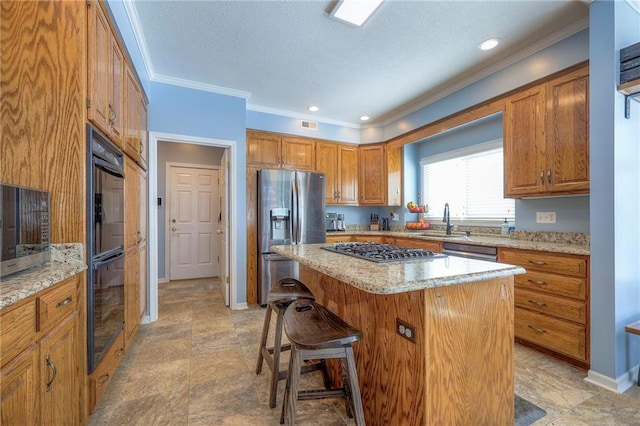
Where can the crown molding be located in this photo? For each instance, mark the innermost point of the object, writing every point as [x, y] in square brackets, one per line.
[291, 114]
[134, 20]
[485, 72]
[159, 78]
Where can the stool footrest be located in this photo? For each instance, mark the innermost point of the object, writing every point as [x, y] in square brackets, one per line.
[320, 394]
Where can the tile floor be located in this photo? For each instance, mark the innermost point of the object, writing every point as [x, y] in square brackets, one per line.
[196, 366]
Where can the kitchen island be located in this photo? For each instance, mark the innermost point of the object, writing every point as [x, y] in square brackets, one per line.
[454, 362]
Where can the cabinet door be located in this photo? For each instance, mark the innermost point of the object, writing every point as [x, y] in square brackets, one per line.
[131, 297]
[59, 378]
[348, 175]
[373, 178]
[394, 177]
[567, 133]
[116, 75]
[298, 154]
[263, 150]
[19, 393]
[142, 280]
[132, 115]
[99, 70]
[326, 162]
[144, 134]
[524, 144]
[435, 246]
[142, 205]
[131, 205]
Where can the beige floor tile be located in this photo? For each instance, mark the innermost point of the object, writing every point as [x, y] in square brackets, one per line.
[159, 351]
[217, 365]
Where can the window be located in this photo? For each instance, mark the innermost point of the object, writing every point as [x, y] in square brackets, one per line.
[471, 181]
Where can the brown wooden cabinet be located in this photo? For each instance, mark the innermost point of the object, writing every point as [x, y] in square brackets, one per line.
[380, 175]
[552, 302]
[41, 373]
[339, 163]
[133, 124]
[435, 246]
[546, 138]
[105, 75]
[271, 150]
[394, 176]
[101, 377]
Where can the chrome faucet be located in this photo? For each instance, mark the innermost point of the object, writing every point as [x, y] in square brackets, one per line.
[447, 218]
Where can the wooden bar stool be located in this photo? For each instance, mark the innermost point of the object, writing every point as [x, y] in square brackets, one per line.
[634, 329]
[317, 333]
[281, 295]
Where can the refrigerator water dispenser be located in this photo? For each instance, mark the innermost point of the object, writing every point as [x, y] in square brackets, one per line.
[279, 224]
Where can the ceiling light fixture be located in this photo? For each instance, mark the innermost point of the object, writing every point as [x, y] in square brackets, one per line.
[313, 108]
[489, 44]
[365, 118]
[354, 12]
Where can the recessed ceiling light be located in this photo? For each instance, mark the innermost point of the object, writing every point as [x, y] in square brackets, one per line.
[354, 12]
[489, 44]
[313, 108]
[365, 118]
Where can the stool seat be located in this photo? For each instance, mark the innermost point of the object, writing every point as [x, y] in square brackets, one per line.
[288, 290]
[312, 326]
[316, 333]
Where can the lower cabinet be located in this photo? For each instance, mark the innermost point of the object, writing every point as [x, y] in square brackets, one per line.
[41, 384]
[552, 302]
[131, 296]
[101, 377]
[435, 246]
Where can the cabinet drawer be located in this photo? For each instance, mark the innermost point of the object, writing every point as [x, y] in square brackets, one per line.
[338, 238]
[553, 284]
[17, 330]
[56, 304]
[101, 376]
[571, 310]
[552, 333]
[546, 262]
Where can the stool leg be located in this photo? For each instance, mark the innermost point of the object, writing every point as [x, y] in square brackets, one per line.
[275, 371]
[355, 386]
[263, 339]
[287, 390]
[294, 375]
[348, 399]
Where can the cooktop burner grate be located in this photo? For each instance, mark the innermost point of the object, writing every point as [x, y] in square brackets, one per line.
[376, 252]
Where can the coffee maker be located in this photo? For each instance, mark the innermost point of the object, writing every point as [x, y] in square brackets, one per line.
[331, 221]
[340, 222]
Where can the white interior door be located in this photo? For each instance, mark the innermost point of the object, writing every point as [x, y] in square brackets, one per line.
[223, 225]
[193, 215]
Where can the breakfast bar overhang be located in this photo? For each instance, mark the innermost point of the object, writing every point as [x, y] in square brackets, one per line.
[453, 362]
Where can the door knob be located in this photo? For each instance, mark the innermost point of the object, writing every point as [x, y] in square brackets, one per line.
[174, 229]
[173, 221]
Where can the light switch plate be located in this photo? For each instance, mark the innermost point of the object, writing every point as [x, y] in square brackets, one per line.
[545, 217]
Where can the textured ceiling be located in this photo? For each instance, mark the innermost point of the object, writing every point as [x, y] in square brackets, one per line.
[289, 54]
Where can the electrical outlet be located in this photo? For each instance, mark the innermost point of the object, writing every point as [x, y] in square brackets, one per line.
[406, 330]
[545, 217]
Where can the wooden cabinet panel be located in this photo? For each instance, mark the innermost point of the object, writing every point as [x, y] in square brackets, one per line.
[572, 310]
[99, 46]
[326, 162]
[347, 182]
[116, 75]
[567, 133]
[373, 179]
[20, 393]
[435, 246]
[560, 263]
[59, 387]
[394, 176]
[18, 329]
[370, 238]
[298, 153]
[143, 284]
[337, 238]
[131, 205]
[252, 235]
[132, 132]
[57, 304]
[559, 285]
[101, 377]
[144, 134]
[131, 296]
[524, 143]
[263, 149]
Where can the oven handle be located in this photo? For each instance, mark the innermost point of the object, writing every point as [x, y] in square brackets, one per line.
[108, 167]
[108, 260]
[468, 255]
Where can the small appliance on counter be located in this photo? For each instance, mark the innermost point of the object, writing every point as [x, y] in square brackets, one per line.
[334, 222]
[341, 225]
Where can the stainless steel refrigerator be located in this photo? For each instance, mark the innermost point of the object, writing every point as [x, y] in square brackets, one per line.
[291, 208]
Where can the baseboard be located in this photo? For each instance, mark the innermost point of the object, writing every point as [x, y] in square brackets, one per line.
[240, 306]
[146, 319]
[619, 385]
[162, 280]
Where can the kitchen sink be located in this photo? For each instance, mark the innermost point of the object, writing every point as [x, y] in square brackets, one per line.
[442, 235]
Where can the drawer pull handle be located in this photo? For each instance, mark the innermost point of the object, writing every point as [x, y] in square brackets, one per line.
[536, 282]
[54, 370]
[102, 380]
[537, 262]
[537, 303]
[539, 330]
[65, 302]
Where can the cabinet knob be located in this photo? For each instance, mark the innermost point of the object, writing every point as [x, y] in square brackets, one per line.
[549, 175]
[541, 176]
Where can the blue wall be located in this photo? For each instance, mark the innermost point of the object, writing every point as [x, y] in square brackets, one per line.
[615, 199]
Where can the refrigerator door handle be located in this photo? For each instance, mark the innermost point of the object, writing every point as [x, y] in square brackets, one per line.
[295, 214]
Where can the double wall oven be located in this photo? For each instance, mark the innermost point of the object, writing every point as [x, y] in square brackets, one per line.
[105, 239]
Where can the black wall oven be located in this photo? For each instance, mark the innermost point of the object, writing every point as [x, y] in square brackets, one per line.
[105, 238]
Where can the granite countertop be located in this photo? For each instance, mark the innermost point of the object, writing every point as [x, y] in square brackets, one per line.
[395, 277]
[570, 243]
[66, 260]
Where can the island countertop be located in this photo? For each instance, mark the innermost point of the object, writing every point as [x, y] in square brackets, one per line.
[395, 277]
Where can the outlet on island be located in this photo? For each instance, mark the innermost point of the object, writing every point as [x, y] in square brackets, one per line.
[406, 330]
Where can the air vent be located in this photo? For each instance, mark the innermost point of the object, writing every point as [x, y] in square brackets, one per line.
[311, 125]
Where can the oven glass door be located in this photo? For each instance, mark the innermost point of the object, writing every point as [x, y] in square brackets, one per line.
[108, 207]
[107, 292]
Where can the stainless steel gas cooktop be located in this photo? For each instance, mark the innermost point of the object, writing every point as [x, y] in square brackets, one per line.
[382, 252]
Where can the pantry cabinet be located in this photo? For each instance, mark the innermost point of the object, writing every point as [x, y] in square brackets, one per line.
[546, 138]
[270, 150]
[133, 123]
[41, 373]
[339, 163]
[552, 302]
[105, 75]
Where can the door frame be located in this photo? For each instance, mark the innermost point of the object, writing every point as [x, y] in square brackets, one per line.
[234, 229]
[167, 243]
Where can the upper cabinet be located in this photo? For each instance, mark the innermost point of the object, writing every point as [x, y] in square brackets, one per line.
[135, 132]
[105, 76]
[268, 150]
[546, 138]
[380, 177]
[339, 163]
